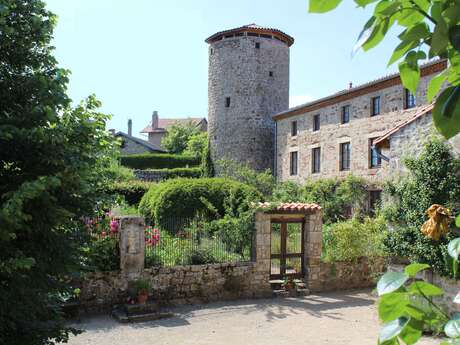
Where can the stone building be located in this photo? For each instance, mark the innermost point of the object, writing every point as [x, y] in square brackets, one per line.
[248, 82]
[158, 127]
[335, 135]
[406, 140]
[132, 145]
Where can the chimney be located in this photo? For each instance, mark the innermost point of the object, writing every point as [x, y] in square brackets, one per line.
[130, 127]
[350, 85]
[155, 119]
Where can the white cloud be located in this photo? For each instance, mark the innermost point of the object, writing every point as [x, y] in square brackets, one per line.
[300, 99]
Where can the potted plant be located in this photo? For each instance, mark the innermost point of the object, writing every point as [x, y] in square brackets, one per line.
[142, 288]
[288, 284]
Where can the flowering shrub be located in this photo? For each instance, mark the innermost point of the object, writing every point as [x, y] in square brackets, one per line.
[152, 236]
[102, 250]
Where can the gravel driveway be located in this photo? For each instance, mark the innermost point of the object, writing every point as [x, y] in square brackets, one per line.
[328, 318]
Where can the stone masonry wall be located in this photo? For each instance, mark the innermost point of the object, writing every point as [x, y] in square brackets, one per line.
[349, 275]
[257, 82]
[359, 131]
[409, 141]
[178, 285]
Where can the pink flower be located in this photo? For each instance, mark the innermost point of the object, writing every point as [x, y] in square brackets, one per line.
[114, 226]
[103, 234]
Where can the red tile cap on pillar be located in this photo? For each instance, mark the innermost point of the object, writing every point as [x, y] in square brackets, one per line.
[290, 207]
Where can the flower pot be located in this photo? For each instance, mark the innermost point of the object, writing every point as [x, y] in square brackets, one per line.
[142, 298]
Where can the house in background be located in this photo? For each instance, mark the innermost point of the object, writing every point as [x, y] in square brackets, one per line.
[157, 128]
[132, 145]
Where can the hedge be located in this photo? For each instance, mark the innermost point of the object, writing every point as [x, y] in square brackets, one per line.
[158, 161]
[132, 191]
[186, 198]
[169, 173]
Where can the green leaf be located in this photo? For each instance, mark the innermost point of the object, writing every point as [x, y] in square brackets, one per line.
[412, 269]
[427, 289]
[392, 305]
[401, 50]
[415, 312]
[391, 281]
[322, 6]
[457, 221]
[439, 41]
[423, 4]
[392, 329]
[410, 75]
[453, 248]
[412, 332]
[452, 328]
[364, 34]
[448, 124]
[364, 3]
[415, 33]
[409, 17]
[435, 84]
[378, 33]
[454, 36]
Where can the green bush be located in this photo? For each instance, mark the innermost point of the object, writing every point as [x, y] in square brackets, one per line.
[264, 182]
[433, 178]
[188, 198]
[104, 254]
[179, 172]
[132, 191]
[334, 196]
[351, 239]
[158, 161]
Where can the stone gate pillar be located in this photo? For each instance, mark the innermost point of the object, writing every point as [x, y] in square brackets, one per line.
[132, 246]
[313, 242]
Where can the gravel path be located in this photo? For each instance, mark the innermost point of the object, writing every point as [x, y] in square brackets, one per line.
[330, 318]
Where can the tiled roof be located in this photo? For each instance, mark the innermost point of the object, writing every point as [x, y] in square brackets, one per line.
[141, 142]
[163, 124]
[377, 84]
[254, 28]
[290, 207]
[416, 113]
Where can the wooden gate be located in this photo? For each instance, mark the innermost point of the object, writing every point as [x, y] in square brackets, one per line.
[287, 248]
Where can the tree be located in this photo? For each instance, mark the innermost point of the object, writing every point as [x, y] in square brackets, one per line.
[196, 144]
[430, 28]
[52, 163]
[178, 135]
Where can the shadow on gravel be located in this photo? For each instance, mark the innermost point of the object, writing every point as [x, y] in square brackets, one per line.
[325, 305]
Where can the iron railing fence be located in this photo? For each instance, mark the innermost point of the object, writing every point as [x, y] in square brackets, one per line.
[181, 241]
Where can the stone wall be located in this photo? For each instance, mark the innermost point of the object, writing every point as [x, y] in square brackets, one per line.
[451, 287]
[349, 275]
[360, 130]
[178, 285]
[257, 82]
[408, 142]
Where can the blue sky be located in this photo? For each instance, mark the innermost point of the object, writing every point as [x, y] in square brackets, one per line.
[143, 55]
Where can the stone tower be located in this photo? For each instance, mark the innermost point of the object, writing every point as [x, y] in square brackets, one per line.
[248, 82]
